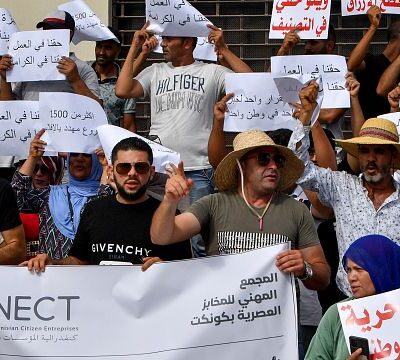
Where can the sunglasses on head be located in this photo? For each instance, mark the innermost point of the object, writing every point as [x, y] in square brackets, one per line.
[141, 167]
[43, 169]
[264, 159]
[77, 154]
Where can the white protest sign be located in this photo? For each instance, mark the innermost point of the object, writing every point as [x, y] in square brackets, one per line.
[87, 25]
[175, 18]
[35, 55]
[256, 104]
[357, 7]
[230, 307]
[203, 50]
[394, 117]
[375, 318]
[331, 68]
[110, 135]
[311, 18]
[7, 28]
[70, 121]
[290, 86]
[18, 125]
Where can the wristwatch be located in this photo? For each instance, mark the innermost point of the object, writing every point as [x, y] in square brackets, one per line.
[308, 272]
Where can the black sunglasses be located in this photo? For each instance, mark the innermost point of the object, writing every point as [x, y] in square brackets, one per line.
[264, 159]
[43, 169]
[141, 167]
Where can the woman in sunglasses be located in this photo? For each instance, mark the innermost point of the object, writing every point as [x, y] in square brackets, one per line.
[49, 170]
[59, 206]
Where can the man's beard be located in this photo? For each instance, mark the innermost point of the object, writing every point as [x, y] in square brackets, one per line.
[383, 171]
[131, 196]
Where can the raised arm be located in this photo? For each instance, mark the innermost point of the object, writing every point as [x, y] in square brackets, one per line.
[166, 228]
[356, 59]
[388, 80]
[216, 142]
[5, 87]
[68, 67]
[141, 46]
[289, 42]
[13, 249]
[230, 60]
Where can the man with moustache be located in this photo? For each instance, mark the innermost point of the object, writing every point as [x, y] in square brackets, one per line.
[117, 227]
[364, 205]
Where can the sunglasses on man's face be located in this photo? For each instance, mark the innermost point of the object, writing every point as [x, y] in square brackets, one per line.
[43, 169]
[141, 167]
[264, 159]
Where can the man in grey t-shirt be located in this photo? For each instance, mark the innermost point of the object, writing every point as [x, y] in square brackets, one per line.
[250, 211]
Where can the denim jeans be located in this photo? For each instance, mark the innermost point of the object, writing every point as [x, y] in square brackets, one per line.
[202, 186]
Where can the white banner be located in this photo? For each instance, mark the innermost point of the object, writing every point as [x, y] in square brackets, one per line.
[87, 25]
[19, 122]
[257, 103]
[70, 121]
[331, 68]
[357, 7]
[231, 307]
[311, 18]
[203, 50]
[110, 135]
[7, 28]
[35, 55]
[375, 318]
[175, 18]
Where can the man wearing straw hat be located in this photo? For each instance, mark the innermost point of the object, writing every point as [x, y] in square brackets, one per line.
[250, 211]
[364, 205]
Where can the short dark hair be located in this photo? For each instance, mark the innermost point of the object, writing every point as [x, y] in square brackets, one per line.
[132, 143]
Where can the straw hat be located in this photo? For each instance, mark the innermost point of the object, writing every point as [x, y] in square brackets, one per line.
[375, 131]
[226, 175]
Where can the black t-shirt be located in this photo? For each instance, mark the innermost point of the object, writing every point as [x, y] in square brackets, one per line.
[9, 215]
[371, 103]
[111, 231]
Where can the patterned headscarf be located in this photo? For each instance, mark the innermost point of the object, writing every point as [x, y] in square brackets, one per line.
[380, 257]
[55, 164]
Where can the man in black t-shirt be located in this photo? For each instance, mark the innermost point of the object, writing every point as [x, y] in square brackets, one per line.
[12, 239]
[117, 227]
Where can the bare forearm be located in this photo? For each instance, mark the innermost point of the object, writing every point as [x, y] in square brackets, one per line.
[81, 88]
[321, 276]
[388, 80]
[163, 223]
[13, 252]
[318, 210]
[357, 116]
[325, 153]
[5, 91]
[132, 65]
[28, 166]
[234, 62]
[216, 145]
[357, 56]
[128, 122]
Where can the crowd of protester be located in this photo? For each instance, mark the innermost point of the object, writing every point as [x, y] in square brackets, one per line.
[337, 200]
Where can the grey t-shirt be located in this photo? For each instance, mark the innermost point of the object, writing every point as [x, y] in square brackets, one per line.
[29, 90]
[229, 226]
[182, 102]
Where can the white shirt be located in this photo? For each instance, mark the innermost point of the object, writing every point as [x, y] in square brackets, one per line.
[355, 213]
